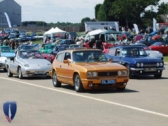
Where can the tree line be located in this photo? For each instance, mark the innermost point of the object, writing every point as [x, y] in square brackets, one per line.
[128, 12]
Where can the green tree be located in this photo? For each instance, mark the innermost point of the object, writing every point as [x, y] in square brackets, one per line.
[84, 20]
[130, 10]
[97, 7]
[163, 8]
[101, 15]
[107, 5]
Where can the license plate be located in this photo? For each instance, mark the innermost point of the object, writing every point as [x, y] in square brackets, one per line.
[39, 72]
[150, 69]
[108, 81]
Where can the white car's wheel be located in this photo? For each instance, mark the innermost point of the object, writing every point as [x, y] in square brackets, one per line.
[8, 72]
[20, 73]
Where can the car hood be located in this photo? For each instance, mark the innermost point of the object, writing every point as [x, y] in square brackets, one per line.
[153, 53]
[146, 59]
[41, 62]
[100, 66]
[7, 54]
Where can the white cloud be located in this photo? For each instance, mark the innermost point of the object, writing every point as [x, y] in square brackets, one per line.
[54, 10]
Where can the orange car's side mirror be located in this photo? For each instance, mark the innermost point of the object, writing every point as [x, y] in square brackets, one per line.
[110, 60]
[66, 61]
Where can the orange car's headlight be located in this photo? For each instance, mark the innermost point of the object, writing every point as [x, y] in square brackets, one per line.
[91, 74]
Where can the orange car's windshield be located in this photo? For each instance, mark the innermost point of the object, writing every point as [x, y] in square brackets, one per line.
[89, 56]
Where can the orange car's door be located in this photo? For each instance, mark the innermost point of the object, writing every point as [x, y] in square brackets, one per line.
[61, 68]
[69, 70]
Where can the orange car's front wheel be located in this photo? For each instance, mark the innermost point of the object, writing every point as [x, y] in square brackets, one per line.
[78, 84]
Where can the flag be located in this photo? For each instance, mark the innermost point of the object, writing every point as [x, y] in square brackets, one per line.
[154, 24]
[8, 20]
[136, 28]
[117, 26]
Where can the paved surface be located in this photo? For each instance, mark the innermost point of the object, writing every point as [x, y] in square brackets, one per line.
[144, 103]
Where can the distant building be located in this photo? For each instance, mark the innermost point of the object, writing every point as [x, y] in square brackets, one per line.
[13, 10]
[93, 25]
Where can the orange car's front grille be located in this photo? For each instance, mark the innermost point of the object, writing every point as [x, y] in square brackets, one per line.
[108, 73]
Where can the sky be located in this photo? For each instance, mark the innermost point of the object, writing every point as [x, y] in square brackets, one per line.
[58, 10]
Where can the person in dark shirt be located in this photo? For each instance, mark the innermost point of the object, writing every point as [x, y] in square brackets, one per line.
[92, 42]
[99, 44]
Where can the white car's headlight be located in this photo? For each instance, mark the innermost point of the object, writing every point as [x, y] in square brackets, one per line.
[89, 74]
[94, 74]
[161, 64]
[26, 65]
[124, 73]
[119, 73]
[142, 64]
[138, 64]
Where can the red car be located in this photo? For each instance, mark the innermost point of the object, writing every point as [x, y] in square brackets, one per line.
[49, 57]
[161, 47]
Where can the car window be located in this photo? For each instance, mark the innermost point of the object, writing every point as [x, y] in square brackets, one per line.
[60, 57]
[117, 53]
[67, 56]
[5, 49]
[89, 56]
[134, 51]
[112, 51]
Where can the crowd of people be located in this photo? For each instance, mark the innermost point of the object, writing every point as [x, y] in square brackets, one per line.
[12, 43]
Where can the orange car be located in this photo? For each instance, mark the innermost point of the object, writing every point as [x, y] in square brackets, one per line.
[87, 69]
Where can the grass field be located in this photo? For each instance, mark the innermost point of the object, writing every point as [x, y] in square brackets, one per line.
[165, 58]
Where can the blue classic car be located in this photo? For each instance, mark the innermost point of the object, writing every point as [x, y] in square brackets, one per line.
[5, 53]
[136, 60]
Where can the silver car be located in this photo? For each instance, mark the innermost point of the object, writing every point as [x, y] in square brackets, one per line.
[28, 63]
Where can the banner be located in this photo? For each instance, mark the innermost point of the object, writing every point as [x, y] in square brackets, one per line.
[8, 20]
[136, 28]
[154, 24]
[117, 26]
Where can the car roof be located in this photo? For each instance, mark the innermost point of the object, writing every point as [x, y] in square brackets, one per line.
[79, 49]
[28, 50]
[126, 46]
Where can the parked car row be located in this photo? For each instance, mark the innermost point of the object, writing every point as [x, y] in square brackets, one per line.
[82, 68]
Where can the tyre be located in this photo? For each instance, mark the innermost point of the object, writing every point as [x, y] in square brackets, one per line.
[8, 72]
[4, 69]
[55, 81]
[20, 73]
[78, 84]
[158, 75]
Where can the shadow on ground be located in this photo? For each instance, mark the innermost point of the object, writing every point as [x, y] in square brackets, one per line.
[100, 91]
[147, 78]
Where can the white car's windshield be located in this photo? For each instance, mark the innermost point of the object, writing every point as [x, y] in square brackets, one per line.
[30, 55]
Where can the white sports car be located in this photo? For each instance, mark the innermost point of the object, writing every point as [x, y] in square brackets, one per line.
[28, 63]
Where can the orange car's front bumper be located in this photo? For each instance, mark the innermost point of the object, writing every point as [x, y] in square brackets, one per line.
[97, 83]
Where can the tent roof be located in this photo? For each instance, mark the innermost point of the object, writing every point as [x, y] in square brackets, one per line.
[95, 32]
[54, 30]
[48, 32]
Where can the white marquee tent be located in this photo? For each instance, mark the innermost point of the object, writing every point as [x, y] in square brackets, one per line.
[54, 30]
